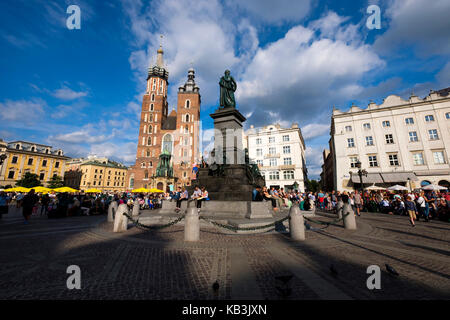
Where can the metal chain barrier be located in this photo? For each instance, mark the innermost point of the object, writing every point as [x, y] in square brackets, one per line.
[235, 228]
[157, 227]
[334, 222]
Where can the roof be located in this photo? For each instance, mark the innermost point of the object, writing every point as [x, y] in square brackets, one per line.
[443, 92]
[170, 123]
[109, 164]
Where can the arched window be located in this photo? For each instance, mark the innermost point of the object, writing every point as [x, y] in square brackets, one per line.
[150, 118]
[146, 174]
[150, 128]
[167, 143]
[17, 146]
[151, 164]
[149, 141]
[187, 118]
[33, 149]
[148, 152]
[188, 104]
[186, 129]
[153, 97]
[425, 183]
[151, 107]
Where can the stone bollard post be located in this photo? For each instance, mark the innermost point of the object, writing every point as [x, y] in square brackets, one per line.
[120, 221]
[339, 207]
[296, 224]
[135, 209]
[349, 220]
[192, 225]
[112, 209]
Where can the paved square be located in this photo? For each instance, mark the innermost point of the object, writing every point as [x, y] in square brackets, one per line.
[160, 265]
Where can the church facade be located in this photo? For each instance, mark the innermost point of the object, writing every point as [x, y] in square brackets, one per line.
[168, 143]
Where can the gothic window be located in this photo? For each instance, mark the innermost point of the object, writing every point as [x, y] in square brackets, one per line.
[187, 118]
[167, 143]
[151, 107]
[146, 174]
[150, 118]
[150, 128]
[149, 141]
[148, 152]
[188, 104]
[153, 97]
[186, 129]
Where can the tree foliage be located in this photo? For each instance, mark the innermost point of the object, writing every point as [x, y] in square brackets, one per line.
[56, 182]
[29, 180]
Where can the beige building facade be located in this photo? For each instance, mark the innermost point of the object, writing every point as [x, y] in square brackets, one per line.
[404, 142]
[103, 174]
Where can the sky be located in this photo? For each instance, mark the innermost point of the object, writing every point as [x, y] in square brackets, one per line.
[293, 60]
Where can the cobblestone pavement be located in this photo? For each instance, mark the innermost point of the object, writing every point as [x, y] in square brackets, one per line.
[160, 265]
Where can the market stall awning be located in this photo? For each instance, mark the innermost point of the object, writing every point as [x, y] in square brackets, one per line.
[371, 178]
[398, 176]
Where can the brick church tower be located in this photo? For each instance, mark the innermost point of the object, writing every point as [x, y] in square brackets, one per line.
[176, 133]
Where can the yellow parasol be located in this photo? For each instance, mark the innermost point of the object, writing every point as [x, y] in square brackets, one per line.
[41, 189]
[140, 190]
[18, 189]
[65, 189]
[93, 191]
[154, 190]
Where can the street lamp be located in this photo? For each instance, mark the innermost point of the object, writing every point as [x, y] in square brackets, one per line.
[361, 172]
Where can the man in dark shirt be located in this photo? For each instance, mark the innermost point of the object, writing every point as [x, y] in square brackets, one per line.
[28, 203]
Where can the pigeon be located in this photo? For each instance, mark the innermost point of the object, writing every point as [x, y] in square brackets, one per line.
[215, 286]
[391, 270]
[333, 271]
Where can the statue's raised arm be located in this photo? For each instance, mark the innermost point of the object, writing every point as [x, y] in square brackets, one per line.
[227, 89]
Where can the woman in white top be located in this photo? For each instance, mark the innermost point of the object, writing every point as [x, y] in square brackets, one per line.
[203, 197]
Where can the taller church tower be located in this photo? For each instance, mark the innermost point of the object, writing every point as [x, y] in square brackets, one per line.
[176, 133]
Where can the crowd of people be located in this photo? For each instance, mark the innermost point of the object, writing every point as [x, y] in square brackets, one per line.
[425, 204]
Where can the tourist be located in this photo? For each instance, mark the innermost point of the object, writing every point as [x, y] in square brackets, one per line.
[257, 194]
[4, 201]
[412, 210]
[268, 197]
[28, 202]
[203, 196]
[421, 204]
[358, 202]
[182, 195]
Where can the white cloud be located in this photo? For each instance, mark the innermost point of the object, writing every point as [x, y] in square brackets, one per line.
[123, 152]
[422, 24]
[88, 134]
[314, 130]
[65, 93]
[271, 11]
[314, 161]
[26, 111]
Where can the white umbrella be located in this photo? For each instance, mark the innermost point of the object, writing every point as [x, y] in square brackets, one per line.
[433, 187]
[375, 188]
[398, 187]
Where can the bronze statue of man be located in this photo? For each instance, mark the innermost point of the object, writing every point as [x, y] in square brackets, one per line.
[227, 89]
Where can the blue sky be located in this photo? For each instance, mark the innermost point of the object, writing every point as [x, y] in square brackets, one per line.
[81, 90]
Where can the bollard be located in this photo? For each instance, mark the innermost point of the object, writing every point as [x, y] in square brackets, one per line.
[296, 224]
[349, 220]
[135, 208]
[112, 209]
[339, 207]
[192, 225]
[120, 221]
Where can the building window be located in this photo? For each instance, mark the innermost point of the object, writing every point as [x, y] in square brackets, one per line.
[274, 175]
[259, 162]
[153, 97]
[288, 175]
[393, 160]
[369, 141]
[146, 174]
[57, 165]
[17, 146]
[438, 157]
[148, 152]
[287, 149]
[11, 175]
[187, 118]
[429, 118]
[14, 159]
[149, 141]
[30, 161]
[409, 121]
[389, 139]
[259, 152]
[373, 161]
[188, 104]
[143, 165]
[272, 150]
[413, 136]
[386, 123]
[418, 158]
[433, 134]
[271, 139]
[41, 176]
[447, 115]
[287, 161]
[351, 142]
[94, 183]
[348, 128]
[258, 141]
[366, 126]
[150, 118]
[273, 162]
[286, 138]
[353, 161]
[152, 107]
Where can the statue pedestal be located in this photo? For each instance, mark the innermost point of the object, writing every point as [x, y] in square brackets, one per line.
[228, 136]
